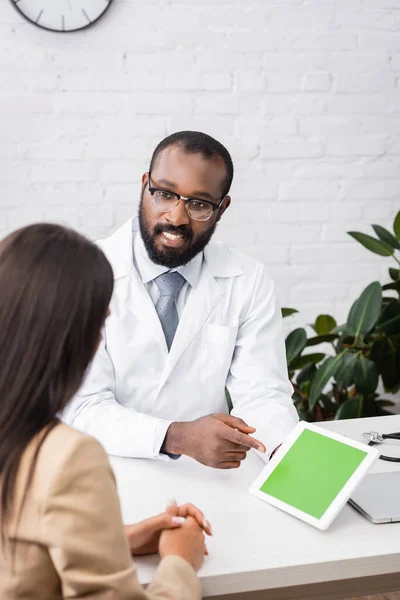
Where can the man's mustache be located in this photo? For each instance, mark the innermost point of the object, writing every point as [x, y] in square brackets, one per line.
[182, 230]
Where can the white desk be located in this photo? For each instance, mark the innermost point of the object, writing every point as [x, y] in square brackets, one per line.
[257, 547]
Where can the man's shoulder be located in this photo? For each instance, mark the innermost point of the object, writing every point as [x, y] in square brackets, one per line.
[118, 249]
[226, 261]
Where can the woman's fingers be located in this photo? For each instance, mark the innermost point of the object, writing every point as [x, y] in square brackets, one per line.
[190, 510]
[176, 521]
[173, 519]
[172, 507]
[168, 521]
[175, 516]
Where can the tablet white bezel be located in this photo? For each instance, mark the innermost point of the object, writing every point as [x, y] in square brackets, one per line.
[343, 496]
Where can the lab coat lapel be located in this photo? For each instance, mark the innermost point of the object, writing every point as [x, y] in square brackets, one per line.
[142, 306]
[118, 249]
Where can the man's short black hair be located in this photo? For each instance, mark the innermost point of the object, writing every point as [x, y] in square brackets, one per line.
[195, 142]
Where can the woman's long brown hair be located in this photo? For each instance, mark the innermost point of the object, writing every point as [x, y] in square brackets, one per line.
[55, 288]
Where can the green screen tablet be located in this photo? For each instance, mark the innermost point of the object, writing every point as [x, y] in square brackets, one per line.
[313, 474]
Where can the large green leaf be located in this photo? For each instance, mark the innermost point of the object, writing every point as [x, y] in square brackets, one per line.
[325, 372]
[295, 343]
[372, 244]
[301, 361]
[365, 375]
[394, 273]
[286, 312]
[350, 409]
[389, 319]
[319, 339]
[344, 376]
[386, 355]
[306, 374]
[324, 324]
[365, 311]
[385, 236]
[396, 226]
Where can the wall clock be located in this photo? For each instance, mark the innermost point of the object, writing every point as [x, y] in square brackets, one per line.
[62, 15]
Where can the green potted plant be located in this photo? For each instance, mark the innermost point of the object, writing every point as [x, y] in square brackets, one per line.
[365, 349]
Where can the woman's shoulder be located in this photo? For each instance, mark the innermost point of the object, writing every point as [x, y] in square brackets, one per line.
[64, 443]
[65, 450]
[60, 456]
[67, 439]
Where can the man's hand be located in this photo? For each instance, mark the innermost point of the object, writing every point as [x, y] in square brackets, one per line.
[144, 537]
[220, 441]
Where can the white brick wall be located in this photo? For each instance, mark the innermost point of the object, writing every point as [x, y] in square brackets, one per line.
[305, 94]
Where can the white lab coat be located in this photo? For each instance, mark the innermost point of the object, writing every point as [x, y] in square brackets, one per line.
[230, 333]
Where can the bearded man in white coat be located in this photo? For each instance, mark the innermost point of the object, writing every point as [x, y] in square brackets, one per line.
[189, 318]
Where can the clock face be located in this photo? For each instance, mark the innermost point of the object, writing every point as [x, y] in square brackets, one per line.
[62, 15]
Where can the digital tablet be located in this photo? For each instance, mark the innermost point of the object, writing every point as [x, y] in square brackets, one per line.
[313, 474]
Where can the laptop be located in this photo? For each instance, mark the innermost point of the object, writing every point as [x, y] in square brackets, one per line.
[378, 497]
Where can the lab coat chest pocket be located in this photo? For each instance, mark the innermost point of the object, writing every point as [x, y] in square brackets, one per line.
[218, 345]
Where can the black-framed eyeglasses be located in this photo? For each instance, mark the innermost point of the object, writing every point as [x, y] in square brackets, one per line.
[198, 209]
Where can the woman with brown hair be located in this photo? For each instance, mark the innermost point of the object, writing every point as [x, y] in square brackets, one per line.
[61, 529]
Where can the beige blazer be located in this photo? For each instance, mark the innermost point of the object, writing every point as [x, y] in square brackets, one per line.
[70, 541]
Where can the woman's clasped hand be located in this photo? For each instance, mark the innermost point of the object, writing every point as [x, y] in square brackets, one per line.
[179, 531]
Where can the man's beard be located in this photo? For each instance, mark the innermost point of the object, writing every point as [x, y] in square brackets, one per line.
[171, 257]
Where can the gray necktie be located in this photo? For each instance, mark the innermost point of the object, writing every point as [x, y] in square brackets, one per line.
[169, 285]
